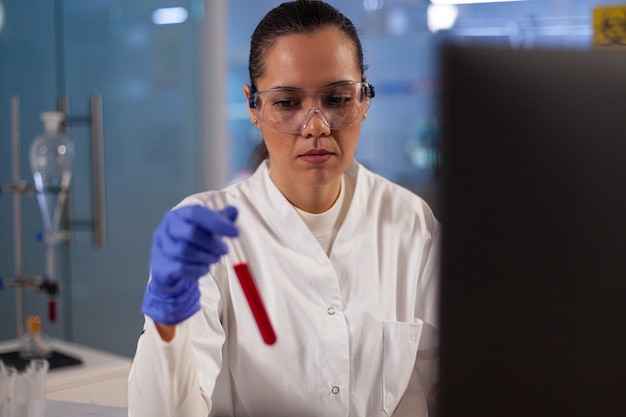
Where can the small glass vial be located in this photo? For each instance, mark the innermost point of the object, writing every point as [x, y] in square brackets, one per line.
[33, 344]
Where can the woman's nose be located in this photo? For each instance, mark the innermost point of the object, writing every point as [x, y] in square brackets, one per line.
[315, 124]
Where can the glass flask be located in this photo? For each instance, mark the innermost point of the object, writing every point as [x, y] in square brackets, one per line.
[51, 160]
[33, 343]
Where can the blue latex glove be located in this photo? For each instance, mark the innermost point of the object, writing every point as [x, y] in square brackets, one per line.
[184, 245]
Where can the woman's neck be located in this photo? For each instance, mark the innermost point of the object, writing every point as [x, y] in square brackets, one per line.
[312, 199]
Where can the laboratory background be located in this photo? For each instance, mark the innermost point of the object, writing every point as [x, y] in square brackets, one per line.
[154, 106]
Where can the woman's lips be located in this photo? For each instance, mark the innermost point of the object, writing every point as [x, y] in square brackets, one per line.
[316, 156]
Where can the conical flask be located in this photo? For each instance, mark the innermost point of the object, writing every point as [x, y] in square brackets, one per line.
[51, 160]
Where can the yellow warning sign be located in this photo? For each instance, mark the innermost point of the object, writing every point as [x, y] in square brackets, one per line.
[609, 26]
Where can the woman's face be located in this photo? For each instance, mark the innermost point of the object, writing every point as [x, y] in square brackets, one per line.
[318, 155]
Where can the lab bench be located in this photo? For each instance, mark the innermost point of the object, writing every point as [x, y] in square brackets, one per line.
[100, 378]
[65, 409]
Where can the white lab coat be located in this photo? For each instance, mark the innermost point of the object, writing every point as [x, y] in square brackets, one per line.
[356, 330]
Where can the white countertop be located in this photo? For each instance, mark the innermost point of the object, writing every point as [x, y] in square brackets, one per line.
[67, 409]
[101, 378]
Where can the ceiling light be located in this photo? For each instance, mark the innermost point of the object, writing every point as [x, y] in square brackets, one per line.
[441, 17]
[447, 2]
[169, 15]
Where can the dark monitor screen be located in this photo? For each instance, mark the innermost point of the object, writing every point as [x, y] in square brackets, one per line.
[533, 178]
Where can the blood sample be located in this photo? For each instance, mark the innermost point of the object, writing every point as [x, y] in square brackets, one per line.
[255, 302]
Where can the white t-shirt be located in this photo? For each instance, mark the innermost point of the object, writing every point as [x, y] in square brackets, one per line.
[324, 226]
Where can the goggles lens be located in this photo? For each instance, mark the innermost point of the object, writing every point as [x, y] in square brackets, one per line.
[288, 110]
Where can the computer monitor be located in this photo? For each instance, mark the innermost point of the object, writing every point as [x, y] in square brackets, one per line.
[533, 208]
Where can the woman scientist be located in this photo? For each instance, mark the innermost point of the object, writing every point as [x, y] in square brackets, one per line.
[345, 261]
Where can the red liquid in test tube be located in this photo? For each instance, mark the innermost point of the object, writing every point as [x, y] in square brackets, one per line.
[252, 295]
[52, 309]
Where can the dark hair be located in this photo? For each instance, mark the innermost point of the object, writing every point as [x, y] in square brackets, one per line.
[294, 17]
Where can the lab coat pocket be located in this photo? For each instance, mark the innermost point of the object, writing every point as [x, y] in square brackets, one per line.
[400, 342]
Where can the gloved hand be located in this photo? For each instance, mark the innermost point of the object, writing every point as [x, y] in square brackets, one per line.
[184, 245]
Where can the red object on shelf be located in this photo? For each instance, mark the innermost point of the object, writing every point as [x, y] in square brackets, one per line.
[52, 309]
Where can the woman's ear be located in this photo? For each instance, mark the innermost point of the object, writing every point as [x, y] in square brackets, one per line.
[246, 91]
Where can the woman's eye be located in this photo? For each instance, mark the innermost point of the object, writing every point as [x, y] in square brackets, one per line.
[338, 101]
[285, 103]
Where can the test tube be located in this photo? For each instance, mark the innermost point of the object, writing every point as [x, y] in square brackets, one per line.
[252, 295]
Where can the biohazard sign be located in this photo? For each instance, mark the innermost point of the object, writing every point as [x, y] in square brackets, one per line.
[609, 26]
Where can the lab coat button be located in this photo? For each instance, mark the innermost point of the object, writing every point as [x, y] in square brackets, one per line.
[335, 390]
[331, 310]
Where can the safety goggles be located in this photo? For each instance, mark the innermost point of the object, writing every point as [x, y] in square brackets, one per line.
[289, 110]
